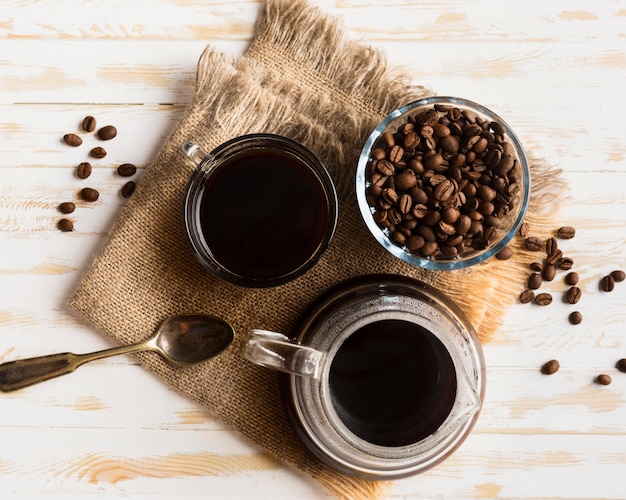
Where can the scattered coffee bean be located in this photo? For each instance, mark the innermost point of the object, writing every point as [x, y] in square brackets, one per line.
[565, 263]
[555, 257]
[607, 283]
[543, 299]
[618, 276]
[536, 267]
[550, 367]
[523, 230]
[89, 124]
[549, 272]
[571, 278]
[573, 295]
[566, 232]
[128, 189]
[551, 246]
[505, 253]
[533, 244]
[89, 194]
[575, 318]
[447, 177]
[67, 207]
[65, 225]
[526, 296]
[83, 170]
[126, 169]
[534, 281]
[72, 140]
[98, 152]
[107, 133]
[621, 365]
[603, 379]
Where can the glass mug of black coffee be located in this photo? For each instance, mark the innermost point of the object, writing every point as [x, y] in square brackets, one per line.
[384, 379]
[259, 210]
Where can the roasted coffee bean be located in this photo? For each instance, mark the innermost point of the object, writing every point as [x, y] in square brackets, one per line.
[405, 180]
[566, 232]
[543, 299]
[128, 189]
[536, 267]
[571, 278]
[396, 153]
[551, 246]
[533, 244]
[83, 170]
[126, 169]
[573, 295]
[550, 367]
[618, 276]
[89, 123]
[385, 167]
[398, 237]
[534, 281]
[107, 133]
[604, 379]
[621, 365]
[523, 230]
[405, 203]
[505, 254]
[429, 249]
[414, 243]
[390, 196]
[607, 283]
[549, 272]
[575, 318]
[555, 257]
[565, 263]
[98, 152]
[72, 140]
[89, 194]
[67, 207]
[526, 296]
[65, 225]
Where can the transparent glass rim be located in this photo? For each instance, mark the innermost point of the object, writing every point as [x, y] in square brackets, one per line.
[322, 431]
[195, 187]
[379, 234]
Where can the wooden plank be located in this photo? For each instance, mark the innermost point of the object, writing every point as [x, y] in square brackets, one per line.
[423, 20]
[164, 72]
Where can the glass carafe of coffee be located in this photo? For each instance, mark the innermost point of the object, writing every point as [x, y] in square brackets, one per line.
[384, 379]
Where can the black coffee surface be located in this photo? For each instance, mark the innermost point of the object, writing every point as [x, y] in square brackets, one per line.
[392, 383]
[263, 214]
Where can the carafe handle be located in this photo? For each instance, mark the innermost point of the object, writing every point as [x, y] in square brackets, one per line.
[276, 351]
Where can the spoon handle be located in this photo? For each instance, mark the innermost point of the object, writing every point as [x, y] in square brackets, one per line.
[26, 372]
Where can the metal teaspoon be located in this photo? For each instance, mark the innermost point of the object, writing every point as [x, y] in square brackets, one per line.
[184, 339]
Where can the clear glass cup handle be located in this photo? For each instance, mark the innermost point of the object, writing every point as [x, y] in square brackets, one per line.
[194, 152]
[276, 351]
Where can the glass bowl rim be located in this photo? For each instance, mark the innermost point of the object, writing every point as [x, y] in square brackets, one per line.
[405, 255]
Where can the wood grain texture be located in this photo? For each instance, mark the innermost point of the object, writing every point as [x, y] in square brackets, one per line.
[555, 71]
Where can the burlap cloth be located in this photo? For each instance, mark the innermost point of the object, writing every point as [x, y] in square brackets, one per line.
[303, 78]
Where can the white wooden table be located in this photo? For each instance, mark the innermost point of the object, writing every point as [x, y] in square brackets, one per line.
[555, 70]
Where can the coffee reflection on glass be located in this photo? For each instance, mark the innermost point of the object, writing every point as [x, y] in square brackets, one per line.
[259, 210]
[384, 379]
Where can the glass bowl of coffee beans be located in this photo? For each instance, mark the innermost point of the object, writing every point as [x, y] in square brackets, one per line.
[443, 183]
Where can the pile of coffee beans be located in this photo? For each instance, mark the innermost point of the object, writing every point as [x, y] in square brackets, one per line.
[442, 183]
[546, 270]
[84, 169]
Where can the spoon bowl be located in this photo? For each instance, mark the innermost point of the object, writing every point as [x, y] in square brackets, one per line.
[183, 340]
